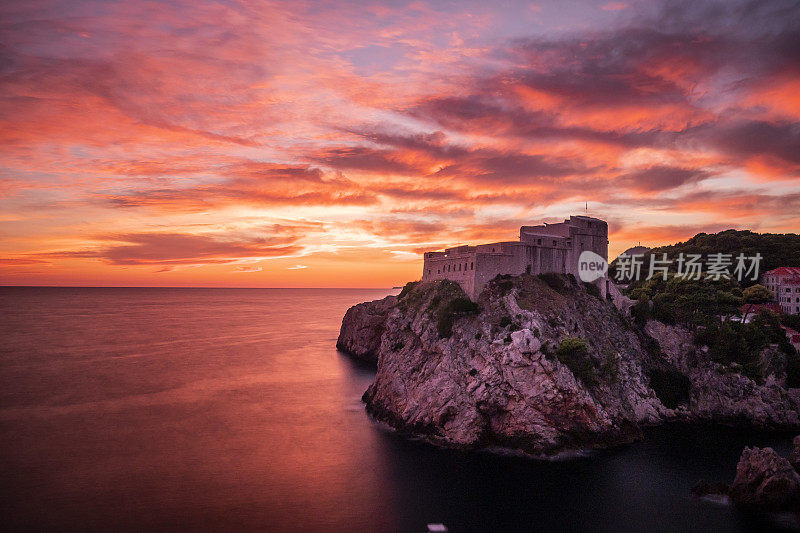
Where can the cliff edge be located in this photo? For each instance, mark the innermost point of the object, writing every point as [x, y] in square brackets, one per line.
[543, 365]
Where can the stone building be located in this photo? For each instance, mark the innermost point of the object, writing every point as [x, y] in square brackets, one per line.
[540, 249]
[784, 282]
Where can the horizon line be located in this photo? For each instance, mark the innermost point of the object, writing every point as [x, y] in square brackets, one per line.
[178, 287]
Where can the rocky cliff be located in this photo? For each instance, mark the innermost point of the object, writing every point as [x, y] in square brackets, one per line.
[542, 365]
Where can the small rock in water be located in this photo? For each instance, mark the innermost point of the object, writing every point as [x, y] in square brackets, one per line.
[765, 480]
[437, 528]
[703, 488]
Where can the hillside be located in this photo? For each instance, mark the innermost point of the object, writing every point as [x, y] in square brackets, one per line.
[776, 249]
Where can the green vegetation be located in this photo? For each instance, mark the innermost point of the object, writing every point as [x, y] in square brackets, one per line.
[670, 386]
[407, 288]
[504, 282]
[791, 321]
[557, 282]
[641, 312]
[740, 346]
[447, 314]
[776, 249]
[444, 300]
[793, 370]
[574, 353]
[757, 294]
[686, 301]
[706, 305]
[593, 289]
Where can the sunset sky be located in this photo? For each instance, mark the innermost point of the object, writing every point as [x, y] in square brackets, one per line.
[330, 143]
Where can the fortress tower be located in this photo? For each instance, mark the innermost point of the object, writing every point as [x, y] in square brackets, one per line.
[540, 249]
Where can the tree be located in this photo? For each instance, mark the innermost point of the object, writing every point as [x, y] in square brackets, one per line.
[757, 294]
[574, 353]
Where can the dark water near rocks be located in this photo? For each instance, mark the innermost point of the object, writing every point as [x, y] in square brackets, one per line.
[217, 409]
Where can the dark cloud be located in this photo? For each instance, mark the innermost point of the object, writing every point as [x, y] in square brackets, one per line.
[660, 178]
[254, 183]
[367, 159]
[510, 168]
[742, 139]
[658, 70]
[171, 249]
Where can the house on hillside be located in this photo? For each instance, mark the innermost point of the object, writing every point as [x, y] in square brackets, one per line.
[784, 282]
[750, 311]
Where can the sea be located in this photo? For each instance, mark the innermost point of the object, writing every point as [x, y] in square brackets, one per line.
[152, 409]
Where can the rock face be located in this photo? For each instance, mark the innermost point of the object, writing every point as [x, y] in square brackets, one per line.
[493, 379]
[362, 328]
[765, 480]
[794, 457]
[725, 397]
[540, 365]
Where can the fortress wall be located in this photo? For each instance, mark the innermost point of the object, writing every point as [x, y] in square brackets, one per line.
[456, 264]
[545, 248]
[489, 265]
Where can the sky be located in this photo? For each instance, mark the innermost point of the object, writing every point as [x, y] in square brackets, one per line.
[330, 143]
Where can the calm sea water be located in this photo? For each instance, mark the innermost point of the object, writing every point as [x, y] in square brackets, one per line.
[217, 409]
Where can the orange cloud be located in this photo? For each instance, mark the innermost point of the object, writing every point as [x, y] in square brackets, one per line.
[157, 143]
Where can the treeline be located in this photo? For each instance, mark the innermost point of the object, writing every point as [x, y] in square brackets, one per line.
[776, 249]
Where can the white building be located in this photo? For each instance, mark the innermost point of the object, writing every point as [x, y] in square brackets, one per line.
[784, 282]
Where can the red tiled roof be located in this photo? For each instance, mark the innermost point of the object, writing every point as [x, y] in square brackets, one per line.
[783, 271]
[757, 308]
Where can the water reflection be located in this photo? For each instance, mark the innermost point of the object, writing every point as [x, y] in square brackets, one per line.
[171, 409]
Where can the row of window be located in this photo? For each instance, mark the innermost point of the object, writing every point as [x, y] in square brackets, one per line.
[775, 288]
[454, 268]
[774, 285]
[788, 299]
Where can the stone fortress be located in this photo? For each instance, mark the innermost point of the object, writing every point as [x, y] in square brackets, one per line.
[540, 249]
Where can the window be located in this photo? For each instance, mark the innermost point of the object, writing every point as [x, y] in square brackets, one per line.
[438, 270]
[555, 243]
[472, 266]
[459, 267]
[539, 241]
